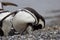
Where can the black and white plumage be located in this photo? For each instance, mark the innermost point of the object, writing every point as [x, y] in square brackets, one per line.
[28, 17]
[24, 19]
[5, 24]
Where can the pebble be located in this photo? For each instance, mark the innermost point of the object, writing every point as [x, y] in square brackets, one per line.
[36, 35]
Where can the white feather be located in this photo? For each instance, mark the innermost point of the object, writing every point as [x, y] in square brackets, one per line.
[21, 19]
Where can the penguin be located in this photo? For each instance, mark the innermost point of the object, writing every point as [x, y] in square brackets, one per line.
[40, 21]
[5, 24]
[28, 17]
[23, 20]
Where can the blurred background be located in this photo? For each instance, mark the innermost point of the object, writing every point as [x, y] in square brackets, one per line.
[49, 9]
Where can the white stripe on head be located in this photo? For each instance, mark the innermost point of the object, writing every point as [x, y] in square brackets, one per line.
[41, 22]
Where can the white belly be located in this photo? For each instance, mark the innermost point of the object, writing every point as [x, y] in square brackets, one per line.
[21, 19]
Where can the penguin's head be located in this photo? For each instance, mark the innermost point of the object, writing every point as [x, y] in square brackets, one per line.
[39, 20]
[40, 25]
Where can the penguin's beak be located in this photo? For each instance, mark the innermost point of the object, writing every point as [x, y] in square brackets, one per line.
[8, 3]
